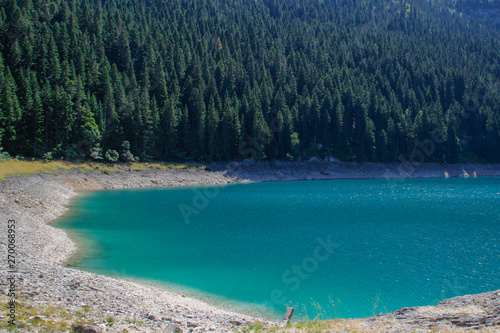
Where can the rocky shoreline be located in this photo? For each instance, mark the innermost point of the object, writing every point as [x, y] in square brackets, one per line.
[34, 201]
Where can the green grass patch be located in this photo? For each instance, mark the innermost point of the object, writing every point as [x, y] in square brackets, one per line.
[22, 167]
[16, 167]
[52, 318]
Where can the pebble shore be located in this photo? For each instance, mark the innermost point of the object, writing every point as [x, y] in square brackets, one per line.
[34, 201]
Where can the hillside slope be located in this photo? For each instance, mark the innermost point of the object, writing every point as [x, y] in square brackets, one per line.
[231, 79]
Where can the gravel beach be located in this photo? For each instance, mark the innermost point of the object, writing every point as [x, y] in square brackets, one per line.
[36, 200]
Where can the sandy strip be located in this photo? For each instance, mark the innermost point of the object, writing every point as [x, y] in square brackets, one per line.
[34, 201]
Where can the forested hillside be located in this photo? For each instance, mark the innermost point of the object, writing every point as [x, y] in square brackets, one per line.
[234, 79]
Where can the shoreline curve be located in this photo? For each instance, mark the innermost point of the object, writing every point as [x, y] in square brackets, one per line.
[37, 200]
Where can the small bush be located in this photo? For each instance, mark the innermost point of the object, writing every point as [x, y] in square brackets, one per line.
[126, 155]
[58, 151]
[112, 156]
[47, 156]
[4, 156]
[96, 153]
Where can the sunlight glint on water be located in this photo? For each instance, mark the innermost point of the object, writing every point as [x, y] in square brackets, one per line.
[341, 248]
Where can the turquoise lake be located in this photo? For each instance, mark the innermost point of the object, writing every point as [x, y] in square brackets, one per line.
[334, 248]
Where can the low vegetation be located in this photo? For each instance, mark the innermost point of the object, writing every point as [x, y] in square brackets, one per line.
[44, 317]
[313, 326]
[17, 167]
[345, 325]
[52, 317]
[28, 167]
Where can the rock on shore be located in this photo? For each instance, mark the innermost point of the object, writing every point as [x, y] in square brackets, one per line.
[467, 312]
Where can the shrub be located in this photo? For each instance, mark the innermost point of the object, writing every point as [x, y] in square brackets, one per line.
[96, 153]
[112, 156]
[4, 156]
[57, 152]
[126, 155]
[47, 156]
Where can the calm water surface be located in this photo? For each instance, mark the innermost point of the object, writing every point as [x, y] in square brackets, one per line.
[338, 248]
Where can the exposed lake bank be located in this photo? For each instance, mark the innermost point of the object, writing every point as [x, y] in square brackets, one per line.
[36, 200]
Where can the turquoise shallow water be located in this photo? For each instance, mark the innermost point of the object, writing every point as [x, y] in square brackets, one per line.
[338, 248]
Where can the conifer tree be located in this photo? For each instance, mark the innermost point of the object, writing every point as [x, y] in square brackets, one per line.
[212, 128]
[10, 112]
[230, 126]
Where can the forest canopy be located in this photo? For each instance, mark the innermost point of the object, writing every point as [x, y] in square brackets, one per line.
[217, 80]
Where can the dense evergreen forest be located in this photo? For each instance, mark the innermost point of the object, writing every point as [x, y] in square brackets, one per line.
[208, 80]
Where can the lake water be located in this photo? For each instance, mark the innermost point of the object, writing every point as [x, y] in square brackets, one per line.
[335, 248]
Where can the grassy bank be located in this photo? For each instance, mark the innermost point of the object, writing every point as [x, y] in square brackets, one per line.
[350, 326]
[313, 326]
[22, 167]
